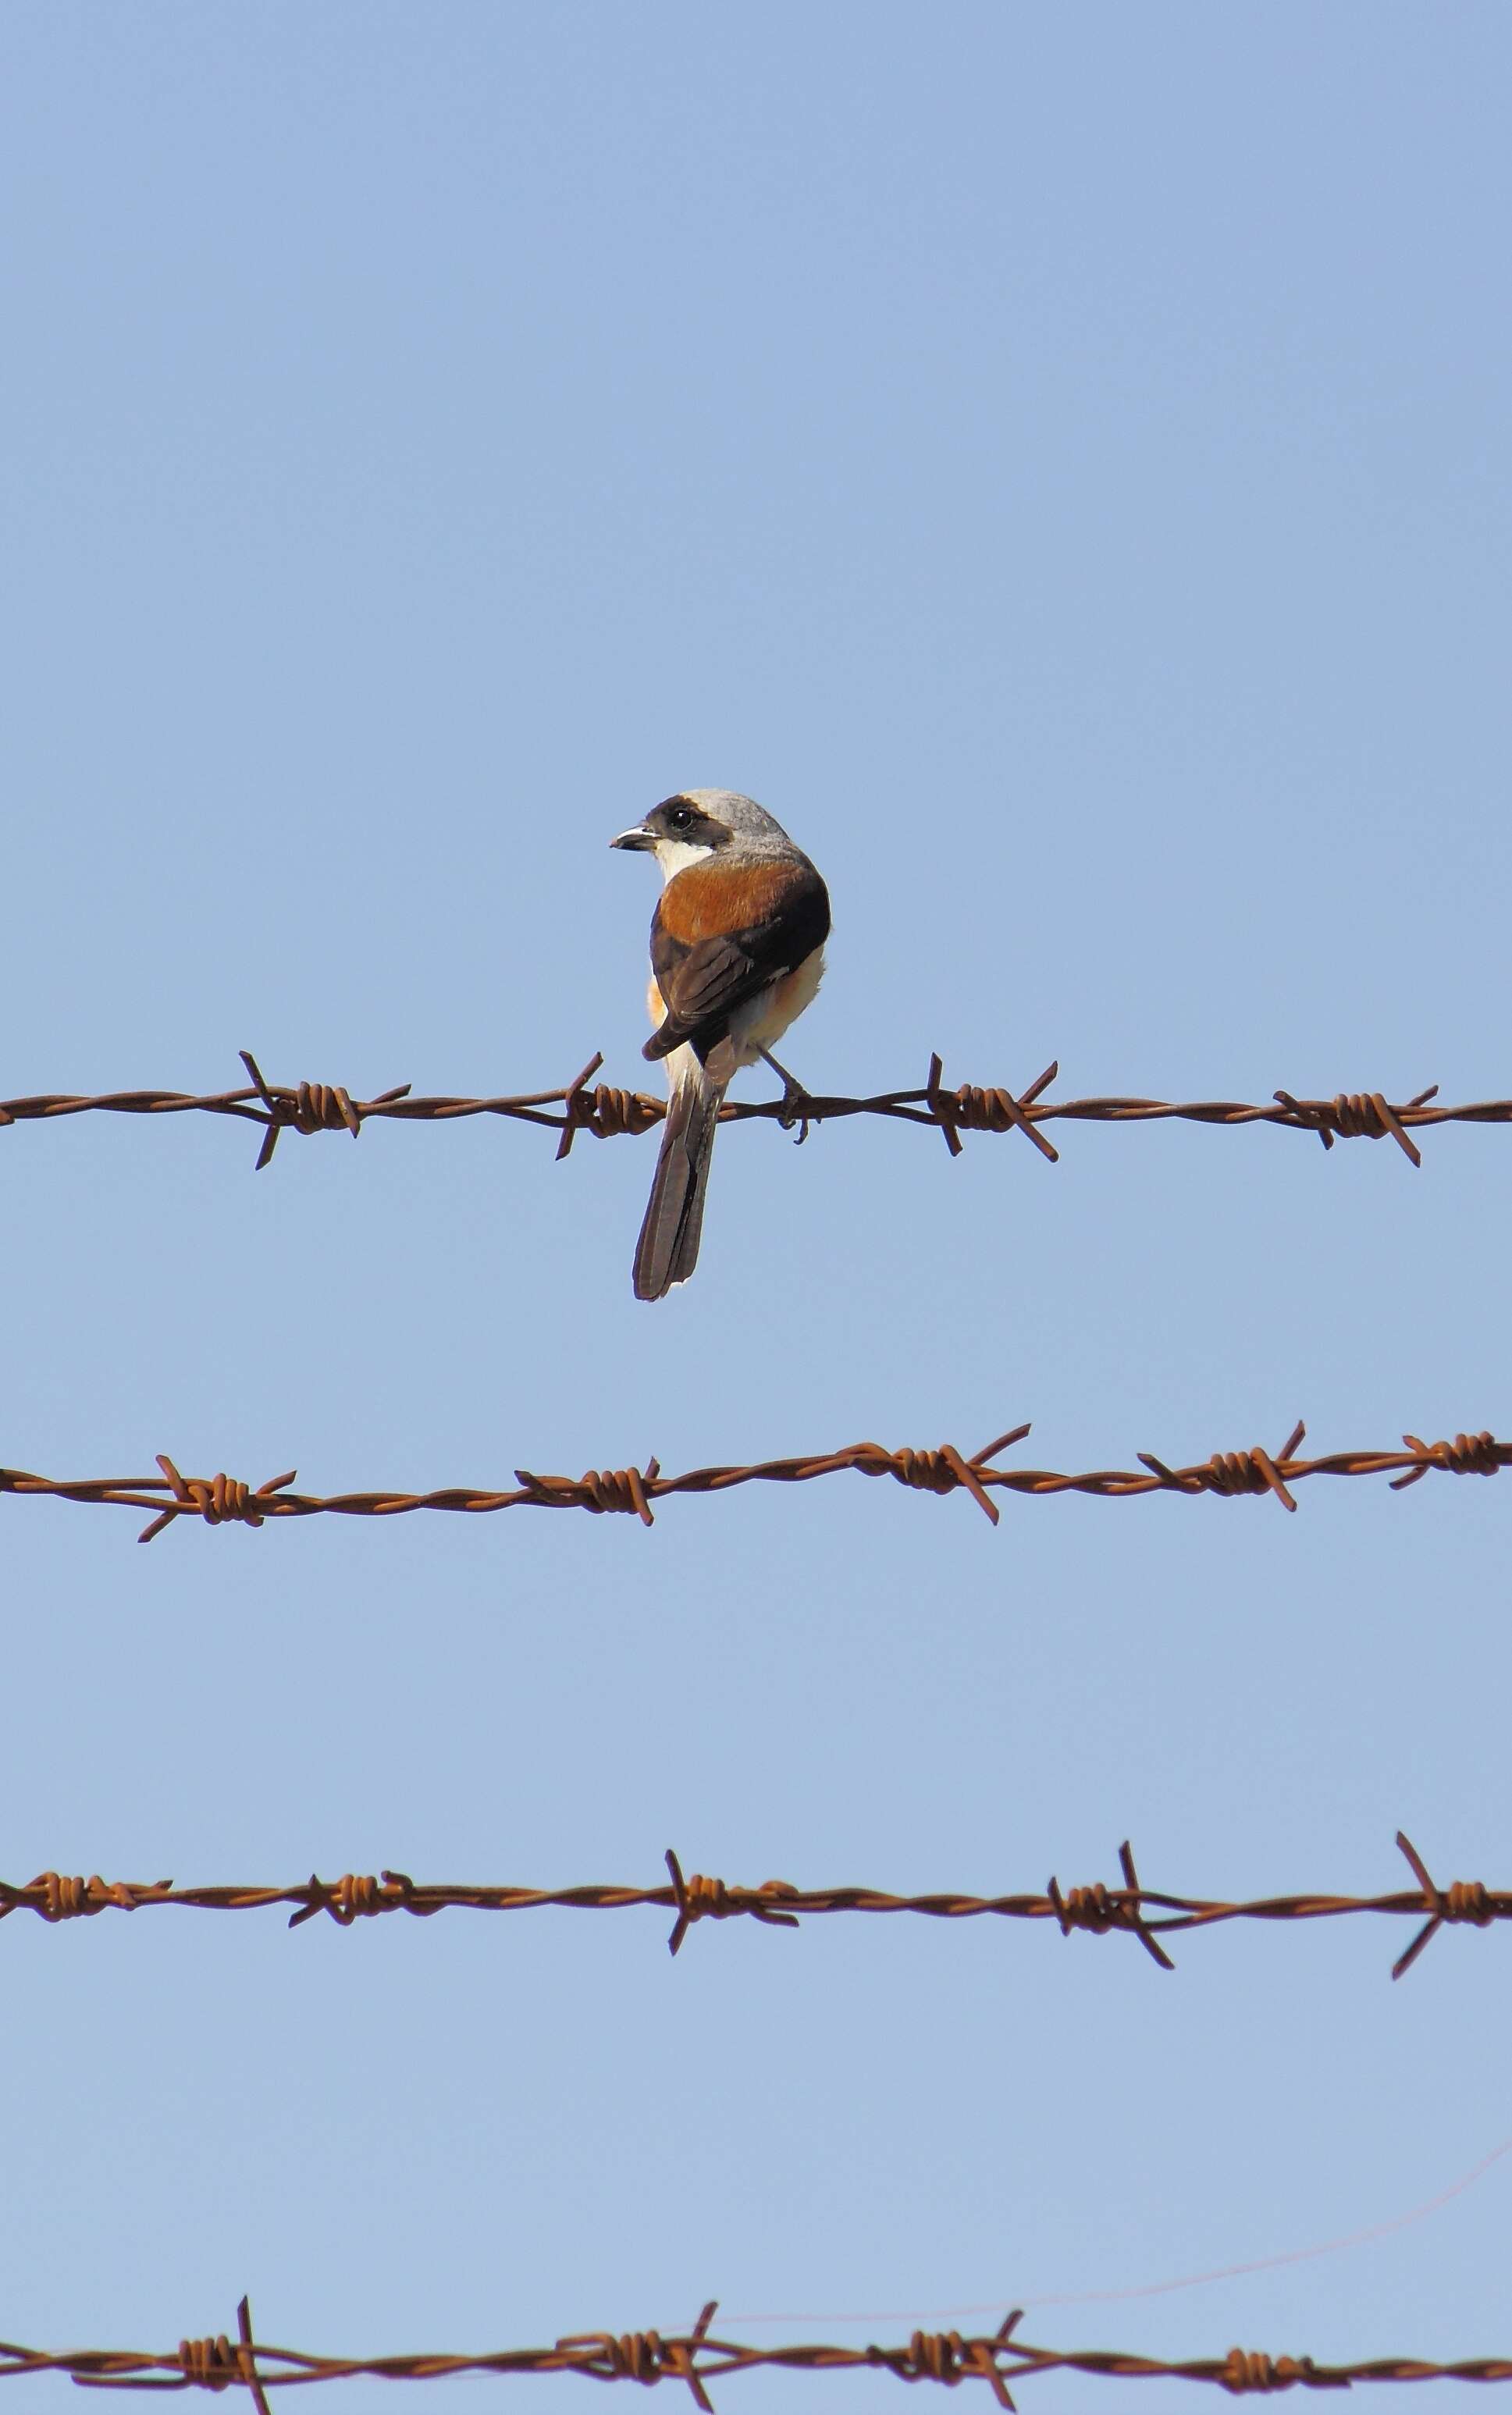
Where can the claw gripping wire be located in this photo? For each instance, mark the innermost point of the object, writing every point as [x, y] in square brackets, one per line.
[321, 1106]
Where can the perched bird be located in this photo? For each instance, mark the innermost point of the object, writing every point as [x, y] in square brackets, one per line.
[737, 952]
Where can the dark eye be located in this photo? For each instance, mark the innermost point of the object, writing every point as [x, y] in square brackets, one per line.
[681, 816]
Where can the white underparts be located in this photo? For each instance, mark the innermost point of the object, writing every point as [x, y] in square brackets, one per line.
[761, 1023]
[674, 855]
[758, 1024]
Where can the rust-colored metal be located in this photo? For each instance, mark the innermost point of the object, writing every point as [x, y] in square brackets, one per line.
[608, 1112]
[219, 1500]
[969, 1109]
[704, 1898]
[698, 2357]
[1357, 1116]
[223, 1500]
[310, 1107]
[1146, 1913]
[1099, 1908]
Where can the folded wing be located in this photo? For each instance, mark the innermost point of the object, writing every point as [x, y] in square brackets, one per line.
[706, 975]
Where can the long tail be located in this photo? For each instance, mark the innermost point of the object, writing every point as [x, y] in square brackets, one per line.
[668, 1249]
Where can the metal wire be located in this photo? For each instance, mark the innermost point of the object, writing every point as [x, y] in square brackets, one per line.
[697, 2357]
[607, 1112]
[226, 1500]
[1097, 1909]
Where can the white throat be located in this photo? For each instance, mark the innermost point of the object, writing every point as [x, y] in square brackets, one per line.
[674, 855]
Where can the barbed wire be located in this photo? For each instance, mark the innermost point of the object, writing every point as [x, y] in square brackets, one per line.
[1148, 1914]
[226, 1500]
[607, 1112]
[698, 2357]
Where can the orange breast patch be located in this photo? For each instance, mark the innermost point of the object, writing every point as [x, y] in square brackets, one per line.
[709, 899]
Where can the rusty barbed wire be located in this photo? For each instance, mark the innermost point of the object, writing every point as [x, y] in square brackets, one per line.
[697, 2357]
[606, 1112]
[1146, 1913]
[226, 1500]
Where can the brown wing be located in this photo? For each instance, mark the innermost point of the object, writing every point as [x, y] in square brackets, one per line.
[706, 973]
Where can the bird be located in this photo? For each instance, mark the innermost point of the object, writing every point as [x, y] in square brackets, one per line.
[737, 952]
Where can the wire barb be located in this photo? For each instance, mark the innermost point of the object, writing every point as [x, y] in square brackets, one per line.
[621, 1489]
[1145, 1913]
[608, 1112]
[354, 1898]
[56, 1898]
[1465, 1899]
[1247, 2369]
[969, 1109]
[604, 1111]
[223, 1500]
[310, 1107]
[945, 2356]
[1095, 1908]
[646, 2356]
[1231, 1472]
[1357, 1115]
[701, 1898]
[1467, 1455]
[697, 2357]
[219, 1500]
[938, 1471]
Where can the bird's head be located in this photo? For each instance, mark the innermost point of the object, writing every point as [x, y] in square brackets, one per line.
[700, 823]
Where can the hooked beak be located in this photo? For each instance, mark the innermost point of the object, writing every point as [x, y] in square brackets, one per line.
[639, 838]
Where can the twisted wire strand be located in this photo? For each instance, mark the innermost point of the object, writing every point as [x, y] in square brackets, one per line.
[224, 1500]
[607, 1112]
[698, 2357]
[1146, 1913]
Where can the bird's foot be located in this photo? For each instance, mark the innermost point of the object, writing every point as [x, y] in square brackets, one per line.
[795, 1099]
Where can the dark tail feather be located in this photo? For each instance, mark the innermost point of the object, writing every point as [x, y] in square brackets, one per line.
[668, 1249]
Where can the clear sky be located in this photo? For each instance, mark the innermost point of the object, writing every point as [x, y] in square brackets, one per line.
[1057, 461]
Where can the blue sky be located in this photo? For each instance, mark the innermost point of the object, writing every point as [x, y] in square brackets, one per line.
[1057, 461]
